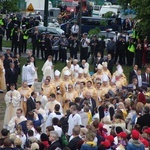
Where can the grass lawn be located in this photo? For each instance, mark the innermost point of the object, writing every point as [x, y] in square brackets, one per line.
[59, 65]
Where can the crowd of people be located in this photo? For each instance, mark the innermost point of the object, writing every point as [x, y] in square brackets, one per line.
[72, 108]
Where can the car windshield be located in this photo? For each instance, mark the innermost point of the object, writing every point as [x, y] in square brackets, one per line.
[68, 4]
[96, 8]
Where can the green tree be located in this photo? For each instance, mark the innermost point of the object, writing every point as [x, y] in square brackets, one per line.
[142, 9]
[9, 5]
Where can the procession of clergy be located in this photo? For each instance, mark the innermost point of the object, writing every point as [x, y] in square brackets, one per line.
[65, 85]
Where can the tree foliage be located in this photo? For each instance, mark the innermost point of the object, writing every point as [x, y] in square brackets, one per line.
[9, 5]
[94, 31]
[142, 9]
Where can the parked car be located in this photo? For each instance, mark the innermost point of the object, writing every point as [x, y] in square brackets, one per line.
[56, 32]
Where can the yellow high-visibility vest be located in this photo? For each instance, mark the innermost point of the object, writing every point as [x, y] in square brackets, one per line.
[131, 48]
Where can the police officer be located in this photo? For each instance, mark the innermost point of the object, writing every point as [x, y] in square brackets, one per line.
[13, 35]
[36, 41]
[42, 44]
[63, 47]
[1, 36]
[74, 46]
[130, 52]
[25, 38]
[1, 21]
[55, 47]
[18, 37]
[48, 45]
[94, 45]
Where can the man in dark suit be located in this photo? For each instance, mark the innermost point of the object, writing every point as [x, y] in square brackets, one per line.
[110, 63]
[31, 102]
[144, 120]
[138, 76]
[88, 100]
[36, 41]
[74, 142]
[54, 139]
[102, 46]
[97, 61]
[18, 38]
[146, 76]
[11, 76]
[132, 73]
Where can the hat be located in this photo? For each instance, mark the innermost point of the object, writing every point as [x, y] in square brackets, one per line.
[106, 143]
[100, 126]
[120, 70]
[122, 135]
[57, 73]
[67, 73]
[135, 134]
[104, 64]
[80, 70]
[23, 25]
[113, 80]
[145, 142]
[147, 130]
[110, 138]
[105, 78]
[99, 66]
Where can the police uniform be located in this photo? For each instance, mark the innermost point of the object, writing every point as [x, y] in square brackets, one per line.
[130, 53]
[42, 44]
[25, 39]
[36, 42]
[63, 48]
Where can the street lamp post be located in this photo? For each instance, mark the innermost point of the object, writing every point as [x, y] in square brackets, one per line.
[46, 13]
[80, 18]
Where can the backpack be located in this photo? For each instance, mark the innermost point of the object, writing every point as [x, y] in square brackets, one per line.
[64, 140]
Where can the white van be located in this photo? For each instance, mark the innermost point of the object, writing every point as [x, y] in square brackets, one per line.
[112, 8]
[96, 10]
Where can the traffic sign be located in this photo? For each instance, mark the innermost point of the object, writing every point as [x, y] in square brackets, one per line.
[30, 8]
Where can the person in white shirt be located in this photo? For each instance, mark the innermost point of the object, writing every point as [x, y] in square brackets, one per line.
[74, 119]
[84, 47]
[55, 114]
[75, 29]
[28, 73]
[55, 122]
[16, 120]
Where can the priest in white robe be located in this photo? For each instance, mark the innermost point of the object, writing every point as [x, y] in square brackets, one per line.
[12, 100]
[16, 120]
[49, 107]
[47, 68]
[28, 73]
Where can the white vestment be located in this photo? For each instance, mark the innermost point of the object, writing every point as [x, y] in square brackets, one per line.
[48, 70]
[28, 73]
[50, 106]
[12, 104]
[35, 75]
[12, 124]
[51, 116]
